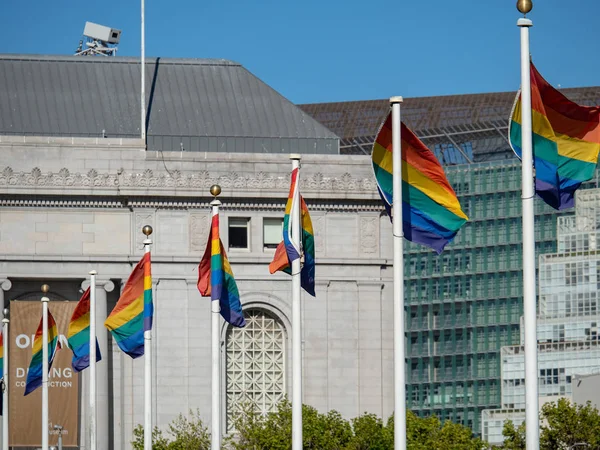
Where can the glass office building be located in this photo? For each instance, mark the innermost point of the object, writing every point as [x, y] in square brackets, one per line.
[463, 306]
[568, 318]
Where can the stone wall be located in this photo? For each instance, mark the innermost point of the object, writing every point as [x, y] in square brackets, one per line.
[73, 205]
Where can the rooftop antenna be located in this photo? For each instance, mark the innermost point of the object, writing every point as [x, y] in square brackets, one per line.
[101, 41]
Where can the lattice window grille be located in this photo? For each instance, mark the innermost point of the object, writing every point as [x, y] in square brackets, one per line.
[255, 361]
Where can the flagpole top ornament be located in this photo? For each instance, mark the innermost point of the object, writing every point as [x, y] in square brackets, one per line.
[396, 99]
[147, 230]
[215, 190]
[6, 313]
[524, 6]
[45, 288]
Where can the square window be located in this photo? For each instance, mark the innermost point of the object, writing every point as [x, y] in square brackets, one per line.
[272, 232]
[238, 232]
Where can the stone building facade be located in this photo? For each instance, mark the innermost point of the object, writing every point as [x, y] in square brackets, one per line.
[70, 205]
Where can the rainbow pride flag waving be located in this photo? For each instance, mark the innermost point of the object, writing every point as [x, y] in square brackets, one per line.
[34, 375]
[78, 335]
[132, 315]
[288, 251]
[2, 384]
[1, 356]
[215, 278]
[431, 213]
[566, 141]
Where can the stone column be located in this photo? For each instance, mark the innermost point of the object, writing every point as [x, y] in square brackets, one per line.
[5, 285]
[102, 394]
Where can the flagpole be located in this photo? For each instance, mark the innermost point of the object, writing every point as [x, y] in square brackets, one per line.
[528, 192]
[45, 300]
[93, 439]
[5, 322]
[399, 356]
[296, 318]
[143, 74]
[147, 230]
[215, 444]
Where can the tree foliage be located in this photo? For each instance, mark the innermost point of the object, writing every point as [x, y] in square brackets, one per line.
[332, 432]
[320, 431]
[429, 433]
[568, 424]
[514, 437]
[564, 425]
[186, 434]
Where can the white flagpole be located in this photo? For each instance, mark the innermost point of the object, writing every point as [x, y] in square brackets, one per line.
[143, 80]
[147, 230]
[216, 351]
[6, 371]
[45, 420]
[528, 192]
[296, 318]
[93, 439]
[399, 356]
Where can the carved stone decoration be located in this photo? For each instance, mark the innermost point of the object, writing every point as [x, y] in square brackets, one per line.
[261, 181]
[199, 227]
[319, 229]
[141, 219]
[187, 180]
[239, 182]
[281, 183]
[369, 235]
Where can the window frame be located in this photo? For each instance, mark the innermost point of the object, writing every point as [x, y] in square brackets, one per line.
[232, 225]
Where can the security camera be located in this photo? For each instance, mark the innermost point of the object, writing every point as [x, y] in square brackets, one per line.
[102, 33]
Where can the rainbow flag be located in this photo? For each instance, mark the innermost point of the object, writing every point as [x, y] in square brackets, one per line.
[2, 384]
[34, 375]
[431, 213]
[566, 141]
[215, 278]
[2, 354]
[132, 314]
[78, 335]
[288, 251]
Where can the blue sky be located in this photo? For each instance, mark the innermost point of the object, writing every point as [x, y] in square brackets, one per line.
[332, 50]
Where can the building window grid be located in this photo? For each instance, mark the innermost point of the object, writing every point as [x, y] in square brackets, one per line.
[255, 365]
[489, 308]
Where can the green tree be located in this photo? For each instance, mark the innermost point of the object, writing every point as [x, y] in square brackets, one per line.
[159, 442]
[319, 431]
[567, 424]
[514, 437]
[187, 433]
[370, 434]
[425, 433]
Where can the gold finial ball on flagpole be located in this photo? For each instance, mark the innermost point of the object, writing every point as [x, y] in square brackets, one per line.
[524, 6]
[215, 190]
[147, 230]
[45, 288]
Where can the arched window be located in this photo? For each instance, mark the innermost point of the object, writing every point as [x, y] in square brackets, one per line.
[255, 362]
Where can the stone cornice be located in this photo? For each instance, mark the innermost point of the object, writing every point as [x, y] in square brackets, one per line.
[173, 189]
[175, 179]
[252, 204]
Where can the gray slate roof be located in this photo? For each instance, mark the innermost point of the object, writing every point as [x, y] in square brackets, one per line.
[204, 104]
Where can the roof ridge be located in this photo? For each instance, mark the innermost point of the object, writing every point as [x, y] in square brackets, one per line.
[575, 89]
[119, 59]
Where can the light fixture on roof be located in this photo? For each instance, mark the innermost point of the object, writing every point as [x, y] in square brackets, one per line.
[101, 40]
